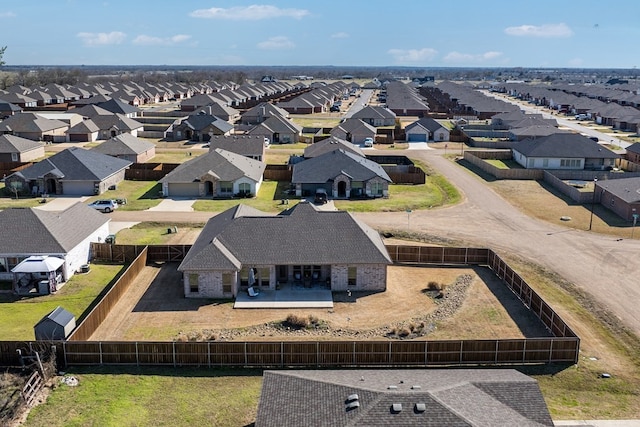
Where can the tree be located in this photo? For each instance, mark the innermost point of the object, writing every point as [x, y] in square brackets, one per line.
[2, 49]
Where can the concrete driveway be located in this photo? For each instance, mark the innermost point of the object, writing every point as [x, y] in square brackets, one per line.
[60, 203]
[174, 205]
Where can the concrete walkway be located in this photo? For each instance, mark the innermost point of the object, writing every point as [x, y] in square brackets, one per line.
[287, 297]
[60, 203]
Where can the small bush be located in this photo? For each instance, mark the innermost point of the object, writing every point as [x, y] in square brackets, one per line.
[404, 332]
[295, 321]
[434, 286]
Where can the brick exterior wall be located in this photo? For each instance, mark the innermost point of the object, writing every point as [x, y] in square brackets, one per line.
[369, 277]
[209, 284]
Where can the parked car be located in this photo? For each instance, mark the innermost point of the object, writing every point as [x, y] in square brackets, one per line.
[104, 205]
[368, 142]
[321, 197]
[334, 108]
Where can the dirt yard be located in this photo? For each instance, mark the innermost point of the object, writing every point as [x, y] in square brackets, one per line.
[157, 310]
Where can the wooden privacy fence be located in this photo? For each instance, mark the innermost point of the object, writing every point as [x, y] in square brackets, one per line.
[123, 254]
[100, 312]
[318, 353]
[149, 171]
[278, 173]
[562, 348]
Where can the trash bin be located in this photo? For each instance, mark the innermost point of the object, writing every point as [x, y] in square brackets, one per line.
[43, 287]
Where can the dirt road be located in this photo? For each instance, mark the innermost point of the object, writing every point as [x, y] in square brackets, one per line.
[605, 267]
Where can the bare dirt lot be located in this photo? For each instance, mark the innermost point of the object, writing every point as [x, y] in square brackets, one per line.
[155, 309]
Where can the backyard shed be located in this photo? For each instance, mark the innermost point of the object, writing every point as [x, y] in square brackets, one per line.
[56, 325]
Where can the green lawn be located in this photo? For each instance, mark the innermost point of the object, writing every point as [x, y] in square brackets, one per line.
[269, 199]
[140, 195]
[8, 200]
[19, 315]
[504, 164]
[150, 233]
[177, 156]
[152, 397]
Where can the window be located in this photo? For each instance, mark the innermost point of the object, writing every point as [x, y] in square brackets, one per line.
[570, 163]
[352, 276]
[531, 163]
[376, 188]
[227, 282]
[193, 283]
[545, 163]
[13, 261]
[14, 157]
[441, 136]
[264, 274]
[226, 187]
[244, 187]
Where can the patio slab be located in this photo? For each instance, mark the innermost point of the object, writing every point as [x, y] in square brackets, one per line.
[288, 297]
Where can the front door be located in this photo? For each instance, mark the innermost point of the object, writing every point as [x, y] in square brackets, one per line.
[342, 189]
[282, 273]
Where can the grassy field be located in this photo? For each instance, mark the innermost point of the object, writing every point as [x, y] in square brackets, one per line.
[152, 397]
[19, 315]
[269, 199]
[152, 233]
[140, 195]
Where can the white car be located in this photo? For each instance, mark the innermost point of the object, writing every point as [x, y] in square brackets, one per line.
[104, 205]
[368, 142]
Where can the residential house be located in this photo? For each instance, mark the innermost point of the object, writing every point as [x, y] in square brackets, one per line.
[621, 196]
[35, 127]
[563, 151]
[218, 173]
[85, 131]
[342, 174]
[426, 129]
[401, 397]
[201, 100]
[116, 124]
[302, 243]
[330, 144]
[249, 146]
[201, 127]
[16, 149]
[67, 234]
[74, 171]
[354, 131]
[128, 147]
[376, 116]
[633, 153]
[221, 111]
[532, 132]
[8, 109]
[278, 130]
[261, 112]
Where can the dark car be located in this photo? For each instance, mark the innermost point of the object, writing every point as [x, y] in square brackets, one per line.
[321, 197]
[334, 108]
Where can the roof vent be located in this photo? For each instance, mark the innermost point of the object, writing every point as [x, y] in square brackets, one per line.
[352, 397]
[420, 407]
[396, 408]
[416, 387]
[392, 387]
[353, 405]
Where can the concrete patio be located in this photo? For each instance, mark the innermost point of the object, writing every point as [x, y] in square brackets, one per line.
[289, 296]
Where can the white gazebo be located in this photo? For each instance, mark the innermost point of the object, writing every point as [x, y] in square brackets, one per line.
[38, 274]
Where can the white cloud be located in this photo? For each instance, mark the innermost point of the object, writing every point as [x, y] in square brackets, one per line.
[413, 55]
[459, 58]
[145, 40]
[275, 43]
[7, 15]
[249, 13]
[340, 35]
[96, 39]
[546, 30]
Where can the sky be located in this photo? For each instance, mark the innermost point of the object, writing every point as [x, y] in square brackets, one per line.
[412, 33]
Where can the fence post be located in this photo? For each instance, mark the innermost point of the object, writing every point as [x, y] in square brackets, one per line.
[246, 359]
[64, 348]
[524, 352]
[137, 355]
[209, 354]
[281, 354]
[318, 353]
[461, 343]
[550, 350]
[174, 353]
[100, 351]
[426, 353]
[495, 360]
[390, 353]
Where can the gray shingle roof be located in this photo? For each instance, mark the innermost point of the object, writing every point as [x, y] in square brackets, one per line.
[245, 145]
[627, 189]
[330, 144]
[119, 107]
[30, 122]
[77, 164]
[300, 235]
[326, 167]
[452, 397]
[426, 122]
[39, 232]
[567, 145]
[16, 144]
[227, 166]
[123, 144]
